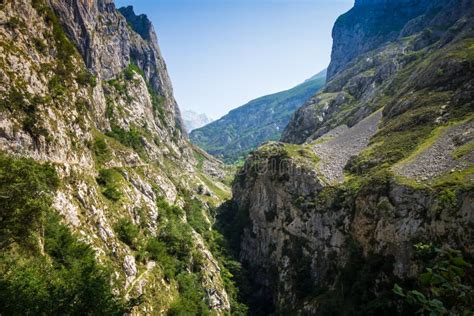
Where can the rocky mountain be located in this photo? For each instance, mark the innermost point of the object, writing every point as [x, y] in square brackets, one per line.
[245, 128]
[105, 205]
[369, 200]
[193, 120]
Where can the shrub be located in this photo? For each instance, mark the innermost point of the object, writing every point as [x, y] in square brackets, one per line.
[25, 195]
[86, 78]
[158, 251]
[109, 179]
[127, 232]
[65, 279]
[442, 289]
[191, 299]
[131, 138]
[66, 282]
[195, 216]
[101, 150]
[128, 73]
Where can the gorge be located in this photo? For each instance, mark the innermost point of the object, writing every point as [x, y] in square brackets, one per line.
[364, 207]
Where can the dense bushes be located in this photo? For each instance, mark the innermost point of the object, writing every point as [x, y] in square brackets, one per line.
[85, 78]
[127, 232]
[101, 150]
[190, 301]
[64, 278]
[25, 106]
[131, 138]
[66, 282]
[109, 179]
[25, 197]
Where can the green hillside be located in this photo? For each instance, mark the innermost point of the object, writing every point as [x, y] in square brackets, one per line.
[245, 128]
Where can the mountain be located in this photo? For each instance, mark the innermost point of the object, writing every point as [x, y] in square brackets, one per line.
[243, 129]
[366, 204]
[105, 204]
[193, 120]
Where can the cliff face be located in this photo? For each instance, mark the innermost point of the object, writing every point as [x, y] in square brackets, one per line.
[372, 23]
[110, 43]
[85, 91]
[363, 79]
[331, 224]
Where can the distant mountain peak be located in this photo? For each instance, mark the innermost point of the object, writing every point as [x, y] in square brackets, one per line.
[193, 120]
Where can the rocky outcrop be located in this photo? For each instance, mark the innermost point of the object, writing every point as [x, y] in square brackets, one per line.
[390, 166]
[370, 24]
[302, 232]
[108, 45]
[363, 79]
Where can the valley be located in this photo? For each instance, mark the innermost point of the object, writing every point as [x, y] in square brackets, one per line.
[349, 194]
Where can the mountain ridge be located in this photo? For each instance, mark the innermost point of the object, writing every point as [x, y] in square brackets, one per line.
[244, 128]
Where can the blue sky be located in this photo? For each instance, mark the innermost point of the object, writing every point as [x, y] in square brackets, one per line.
[223, 53]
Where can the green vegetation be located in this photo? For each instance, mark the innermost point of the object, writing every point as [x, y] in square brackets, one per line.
[360, 287]
[110, 179]
[85, 78]
[190, 301]
[25, 197]
[65, 50]
[463, 150]
[127, 232]
[233, 136]
[65, 279]
[226, 241]
[131, 138]
[130, 71]
[441, 289]
[101, 150]
[157, 102]
[26, 106]
[200, 159]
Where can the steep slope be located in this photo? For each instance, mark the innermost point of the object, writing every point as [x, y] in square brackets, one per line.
[376, 180]
[250, 125]
[105, 208]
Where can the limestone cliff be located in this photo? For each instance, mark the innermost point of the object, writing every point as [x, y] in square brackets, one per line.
[385, 162]
[86, 89]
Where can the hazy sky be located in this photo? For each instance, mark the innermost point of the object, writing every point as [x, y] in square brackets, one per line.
[223, 53]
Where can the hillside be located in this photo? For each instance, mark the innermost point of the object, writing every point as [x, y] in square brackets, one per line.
[105, 205]
[364, 207]
[368, 201]
[243, 129]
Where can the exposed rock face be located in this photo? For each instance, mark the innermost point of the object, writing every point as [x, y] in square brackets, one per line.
[392, 136]
[108, 45]
[362, 79]
[302, 231]
[81, 89]
[370, 24]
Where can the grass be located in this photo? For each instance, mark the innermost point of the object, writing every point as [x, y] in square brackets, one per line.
[221, 194]
[461, 178]
[200, 159]
[463, 150]
[430, 141]
[131, 138]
